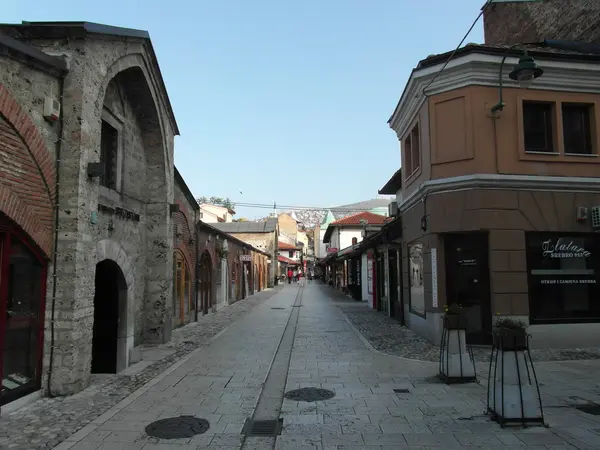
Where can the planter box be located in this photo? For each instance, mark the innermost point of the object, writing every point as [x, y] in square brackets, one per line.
[456, 361]
[511, 340]
[513, 394]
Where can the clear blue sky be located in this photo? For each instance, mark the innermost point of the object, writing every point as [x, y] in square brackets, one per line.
[284, 100]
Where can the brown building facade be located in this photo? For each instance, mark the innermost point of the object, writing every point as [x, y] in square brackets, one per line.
[499, 209]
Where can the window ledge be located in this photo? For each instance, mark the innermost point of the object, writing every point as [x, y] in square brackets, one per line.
[412, 174]
[528, 152]
[585, 155]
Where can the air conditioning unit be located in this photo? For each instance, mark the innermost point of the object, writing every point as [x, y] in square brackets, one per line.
[393, 209]
[51, 109]
[596, 217]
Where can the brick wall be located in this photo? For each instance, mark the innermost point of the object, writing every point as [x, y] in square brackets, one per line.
[27, 174]
[572, 20]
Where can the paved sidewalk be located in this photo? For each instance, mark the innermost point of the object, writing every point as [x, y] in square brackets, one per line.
[366, 413]
[47, 422]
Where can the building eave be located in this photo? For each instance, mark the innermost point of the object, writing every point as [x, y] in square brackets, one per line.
[14, 48]
[206, 226]
[42, 30]
[393, 185]
[480, 67]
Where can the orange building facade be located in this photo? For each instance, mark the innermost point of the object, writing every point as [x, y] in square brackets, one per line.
[500, 210]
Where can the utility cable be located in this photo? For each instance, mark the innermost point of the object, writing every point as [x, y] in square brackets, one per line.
[488, 2]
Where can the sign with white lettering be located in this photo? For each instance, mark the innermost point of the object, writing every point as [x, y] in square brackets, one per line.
[563, 248]
[246, 258]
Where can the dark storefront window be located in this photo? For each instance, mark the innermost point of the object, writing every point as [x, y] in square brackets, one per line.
[22, 285]
[415, 277]
[563, 275]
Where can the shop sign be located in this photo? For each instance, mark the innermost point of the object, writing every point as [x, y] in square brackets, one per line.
[246, 258]
[563, 248]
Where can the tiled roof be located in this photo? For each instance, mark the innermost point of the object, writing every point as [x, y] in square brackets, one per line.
[267, 226]
[286, 246]
[371, 218]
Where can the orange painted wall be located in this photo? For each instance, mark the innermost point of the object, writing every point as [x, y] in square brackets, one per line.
[463, 140]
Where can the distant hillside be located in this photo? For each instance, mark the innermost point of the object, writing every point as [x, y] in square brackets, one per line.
[313, 217]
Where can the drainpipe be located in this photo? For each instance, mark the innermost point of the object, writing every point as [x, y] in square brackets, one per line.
[196, 272]
[54, 256]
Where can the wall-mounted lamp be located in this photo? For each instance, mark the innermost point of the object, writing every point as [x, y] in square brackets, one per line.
[174, 208]
[524, 73]
[95, 170]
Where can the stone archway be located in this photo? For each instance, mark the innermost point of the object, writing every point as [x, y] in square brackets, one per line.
[130, 81]
[121, 278]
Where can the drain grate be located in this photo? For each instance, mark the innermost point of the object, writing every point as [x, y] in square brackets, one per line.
[277, 307]
[177, 427]
[309, 395]
[402, 391]
[592, 409]
[297, 306]
[263, 428]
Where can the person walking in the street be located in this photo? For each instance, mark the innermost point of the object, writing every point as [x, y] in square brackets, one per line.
[290, 276]
[295, 276]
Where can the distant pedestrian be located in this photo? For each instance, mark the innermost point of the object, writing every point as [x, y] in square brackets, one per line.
[295, 276]
[290, 274]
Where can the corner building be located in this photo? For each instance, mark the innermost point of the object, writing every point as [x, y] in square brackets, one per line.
[500, 209]
[79, 289]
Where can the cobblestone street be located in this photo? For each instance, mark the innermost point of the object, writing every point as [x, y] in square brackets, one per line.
[303, 338]
[47, 422]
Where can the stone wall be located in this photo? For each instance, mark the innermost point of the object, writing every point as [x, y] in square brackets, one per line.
[266, 242]
[570, 20]
[130, 225]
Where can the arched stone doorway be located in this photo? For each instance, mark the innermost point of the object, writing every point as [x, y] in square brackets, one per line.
[110, 317]
[205, 287]
[183, 300]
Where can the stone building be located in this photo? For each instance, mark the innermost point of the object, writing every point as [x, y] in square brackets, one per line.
[86, 188]
[185, 216]
[229, 269]
[261, 235]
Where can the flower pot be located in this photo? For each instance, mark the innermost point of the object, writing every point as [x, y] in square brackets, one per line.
[511, 339]
[456, 362]
[455, 322]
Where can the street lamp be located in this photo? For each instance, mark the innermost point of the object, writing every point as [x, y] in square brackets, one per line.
[524, 73]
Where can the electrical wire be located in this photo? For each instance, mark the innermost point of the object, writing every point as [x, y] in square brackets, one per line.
[297, 207]
[488, 2]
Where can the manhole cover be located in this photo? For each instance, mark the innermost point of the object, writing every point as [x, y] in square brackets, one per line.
[589, 409]
[177, 427]
[277, 307]
[309, 394]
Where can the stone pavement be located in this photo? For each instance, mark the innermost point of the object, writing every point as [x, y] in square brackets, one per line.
[241, 374]
[47, 422]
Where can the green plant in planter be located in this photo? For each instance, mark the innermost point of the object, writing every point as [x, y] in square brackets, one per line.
[511, 333]
[454, 319]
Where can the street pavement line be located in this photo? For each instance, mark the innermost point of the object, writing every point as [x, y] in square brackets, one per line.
[270, 400]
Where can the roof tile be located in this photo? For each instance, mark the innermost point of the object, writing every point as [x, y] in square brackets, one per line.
[371, 218]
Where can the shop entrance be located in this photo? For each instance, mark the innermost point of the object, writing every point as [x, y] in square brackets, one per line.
[22, 289]
[111, 291]
[468, 282]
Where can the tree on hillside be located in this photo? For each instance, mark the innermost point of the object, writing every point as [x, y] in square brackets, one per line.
[220, 201]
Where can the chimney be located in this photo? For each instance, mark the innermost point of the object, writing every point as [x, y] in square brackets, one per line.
[506, 23]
